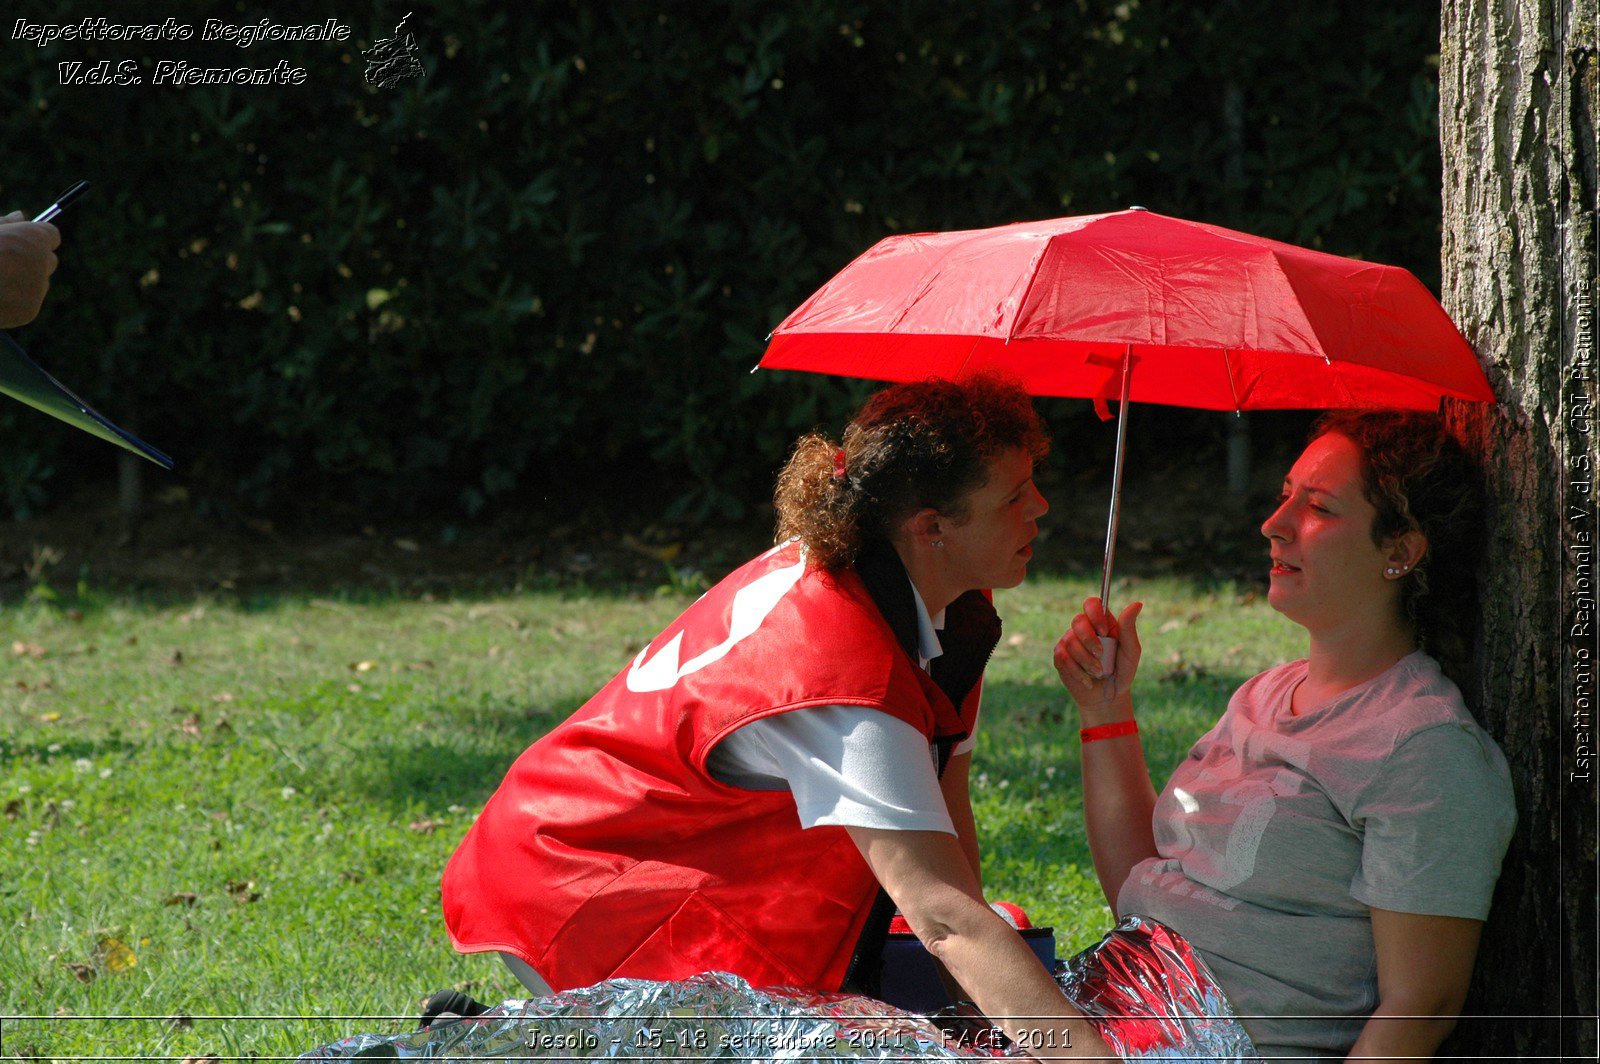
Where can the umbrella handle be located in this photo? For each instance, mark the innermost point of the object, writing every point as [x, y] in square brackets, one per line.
[1108, 657]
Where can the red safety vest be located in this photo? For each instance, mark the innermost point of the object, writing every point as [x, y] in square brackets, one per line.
[608, 851]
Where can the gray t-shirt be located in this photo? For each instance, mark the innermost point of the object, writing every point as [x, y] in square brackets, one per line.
[1279, 830]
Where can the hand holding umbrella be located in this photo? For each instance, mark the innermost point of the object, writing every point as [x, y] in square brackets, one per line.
[1095, 684]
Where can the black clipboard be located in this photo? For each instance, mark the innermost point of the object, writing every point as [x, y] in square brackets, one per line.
[23, 378]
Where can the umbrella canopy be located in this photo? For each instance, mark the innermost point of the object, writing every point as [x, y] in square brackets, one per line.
[1212, 318]
[1135, 305]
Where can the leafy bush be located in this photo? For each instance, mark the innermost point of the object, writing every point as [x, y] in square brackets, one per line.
[555, 258]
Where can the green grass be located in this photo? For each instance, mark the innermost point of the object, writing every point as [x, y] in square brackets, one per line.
[303, 768]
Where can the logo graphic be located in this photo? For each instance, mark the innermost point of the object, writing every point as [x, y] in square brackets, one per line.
[393, 59]
[751, 604]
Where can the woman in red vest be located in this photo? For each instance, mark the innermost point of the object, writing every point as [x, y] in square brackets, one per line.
[734, 798]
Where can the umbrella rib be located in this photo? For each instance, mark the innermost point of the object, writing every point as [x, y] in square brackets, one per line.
[966, 359]
[1227, 371]
[1033, 275]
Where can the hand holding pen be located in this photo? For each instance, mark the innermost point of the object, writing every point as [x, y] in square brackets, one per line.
[27, 259]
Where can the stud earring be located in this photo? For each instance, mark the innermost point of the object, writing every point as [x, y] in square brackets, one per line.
[938, 543]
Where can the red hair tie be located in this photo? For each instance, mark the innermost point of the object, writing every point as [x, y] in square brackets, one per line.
[838, 464]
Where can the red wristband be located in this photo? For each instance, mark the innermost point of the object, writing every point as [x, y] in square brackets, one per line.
[1108, 731]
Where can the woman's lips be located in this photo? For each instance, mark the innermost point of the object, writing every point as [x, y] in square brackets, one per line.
[1026, 552]
[1282, 568]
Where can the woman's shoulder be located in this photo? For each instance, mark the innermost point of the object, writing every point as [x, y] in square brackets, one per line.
[1427, 722]
[1416, 696]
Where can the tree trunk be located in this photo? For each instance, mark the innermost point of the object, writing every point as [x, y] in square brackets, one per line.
[1517, 98]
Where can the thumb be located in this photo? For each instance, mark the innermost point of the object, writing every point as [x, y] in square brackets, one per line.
[14, 216]
[1127, 621]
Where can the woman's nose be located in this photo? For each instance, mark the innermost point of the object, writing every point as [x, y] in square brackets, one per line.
[1276, 526]
[1041, 505]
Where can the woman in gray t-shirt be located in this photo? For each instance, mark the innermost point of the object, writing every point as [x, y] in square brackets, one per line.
[1332, 844]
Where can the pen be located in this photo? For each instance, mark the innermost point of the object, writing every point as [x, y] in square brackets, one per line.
[62, 200]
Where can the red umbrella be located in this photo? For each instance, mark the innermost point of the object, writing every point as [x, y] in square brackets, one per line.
[1139, 306]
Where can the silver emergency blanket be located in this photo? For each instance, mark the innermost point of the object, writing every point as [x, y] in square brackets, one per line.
[1151, 997]
[1142, 986]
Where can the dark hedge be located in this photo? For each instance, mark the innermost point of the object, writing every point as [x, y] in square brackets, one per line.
[555, 258]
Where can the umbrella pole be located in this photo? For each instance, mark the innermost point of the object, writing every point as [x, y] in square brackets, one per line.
[1108, 645]
[1116, 480]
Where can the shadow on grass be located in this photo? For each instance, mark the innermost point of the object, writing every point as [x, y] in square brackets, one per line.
[91, 603]
[90, 596]
[12, 750]
[459, 762]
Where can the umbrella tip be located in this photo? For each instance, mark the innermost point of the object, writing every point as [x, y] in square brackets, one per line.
[1136, 207]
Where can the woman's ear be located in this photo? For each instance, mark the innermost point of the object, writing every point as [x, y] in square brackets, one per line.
[1405, 551]
[924, 528]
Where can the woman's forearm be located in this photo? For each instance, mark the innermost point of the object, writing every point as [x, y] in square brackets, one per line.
[927, 875]
[1118, 800]
[1396, 1031]
[1009, 985]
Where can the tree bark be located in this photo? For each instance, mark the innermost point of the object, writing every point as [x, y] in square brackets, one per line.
[1517, 96]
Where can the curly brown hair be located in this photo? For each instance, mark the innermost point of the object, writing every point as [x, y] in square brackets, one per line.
[911, 446]
[1418, 478]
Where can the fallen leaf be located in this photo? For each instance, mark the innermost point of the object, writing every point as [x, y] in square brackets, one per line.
[84, 972]
[364, 666]
[1016, 640]
[49, 718]
[13, 810]
[209, 1058]
[243, 892]
[351, 877]
[182, 897]
[182, 1022]
[223, 726]
[190, 725]
[27, 650]
[426, 827]
[114, 955]
[176, 659]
